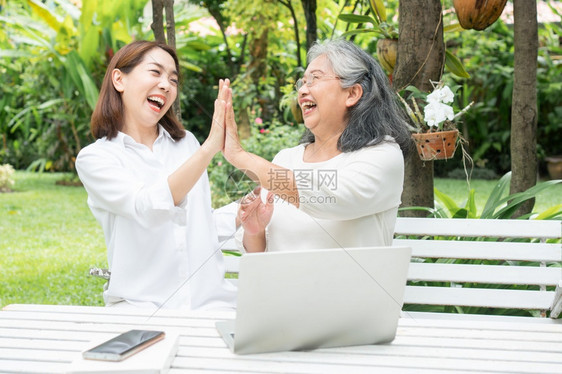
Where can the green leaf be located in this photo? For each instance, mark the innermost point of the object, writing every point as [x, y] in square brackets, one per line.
[515, 200]
[460, 213]
[453, 27]
[495, 196]
[120, 32]
[81, 78]
[447, 201]
[551, 212]
[44, 13]
[89, 45]
[472, 210]
[455, 65]
[360, 31]
[12, 53]
[355, 18]
[189, 66]
[199, 45]
[377, 6]
[15, 120]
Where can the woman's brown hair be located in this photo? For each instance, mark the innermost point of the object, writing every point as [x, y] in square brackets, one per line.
[107, 118]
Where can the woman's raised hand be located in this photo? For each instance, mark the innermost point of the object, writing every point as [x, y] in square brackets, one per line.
[216, 138]
[232, 147]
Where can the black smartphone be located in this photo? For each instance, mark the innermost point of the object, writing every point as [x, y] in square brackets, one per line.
[123, 345]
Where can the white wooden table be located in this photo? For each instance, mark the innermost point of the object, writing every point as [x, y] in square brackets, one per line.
[45, 339]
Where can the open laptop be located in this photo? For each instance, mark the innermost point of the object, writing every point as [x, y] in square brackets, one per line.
[302, 300]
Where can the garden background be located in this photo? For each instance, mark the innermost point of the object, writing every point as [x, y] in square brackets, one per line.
[53, 55]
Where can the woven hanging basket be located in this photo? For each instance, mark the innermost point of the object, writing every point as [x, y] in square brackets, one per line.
[438, 145]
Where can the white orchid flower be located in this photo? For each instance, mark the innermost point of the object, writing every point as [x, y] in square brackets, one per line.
[441, 95]
[436, 112]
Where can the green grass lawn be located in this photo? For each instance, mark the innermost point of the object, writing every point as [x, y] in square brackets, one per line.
[49, 238]
[48, 241]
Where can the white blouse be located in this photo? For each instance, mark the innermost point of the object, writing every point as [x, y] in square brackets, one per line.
[159, 254]
[348, 201]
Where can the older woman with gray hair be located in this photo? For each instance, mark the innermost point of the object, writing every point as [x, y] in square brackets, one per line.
[341, 186]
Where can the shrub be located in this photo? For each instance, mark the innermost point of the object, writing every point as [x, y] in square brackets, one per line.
[6, 177]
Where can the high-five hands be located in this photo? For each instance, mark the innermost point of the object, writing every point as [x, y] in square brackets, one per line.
[233, 151]
[216, 139]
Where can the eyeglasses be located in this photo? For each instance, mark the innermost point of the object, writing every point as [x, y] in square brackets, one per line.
[312, 79]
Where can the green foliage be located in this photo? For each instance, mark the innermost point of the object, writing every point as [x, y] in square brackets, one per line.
[499, 205]
[488, 56]
[63, 50]
[373, 18]
[549, 83]
[54, 46]
[199, 88]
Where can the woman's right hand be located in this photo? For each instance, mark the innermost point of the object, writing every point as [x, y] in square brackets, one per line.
[253, 213]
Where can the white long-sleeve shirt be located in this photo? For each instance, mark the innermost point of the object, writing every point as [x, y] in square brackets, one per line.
[159, 254]
[348, 201]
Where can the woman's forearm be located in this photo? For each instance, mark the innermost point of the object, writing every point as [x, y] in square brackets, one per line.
[254, 243]
[276, 179]
[184, 178]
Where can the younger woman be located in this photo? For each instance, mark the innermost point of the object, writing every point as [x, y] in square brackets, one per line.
[148, 188]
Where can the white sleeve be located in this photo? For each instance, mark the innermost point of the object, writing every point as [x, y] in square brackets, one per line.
[370, 181]
[225, 220]
[239, 239]
[114, 188]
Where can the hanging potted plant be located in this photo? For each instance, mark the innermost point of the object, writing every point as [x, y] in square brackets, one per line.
[434, 132]
[382, 22]
[385, 29]
[478, 14]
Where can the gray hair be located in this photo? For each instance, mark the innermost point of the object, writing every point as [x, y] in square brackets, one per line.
[377, 113]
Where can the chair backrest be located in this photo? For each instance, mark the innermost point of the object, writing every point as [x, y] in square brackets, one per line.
[475, 265]
[472, 265]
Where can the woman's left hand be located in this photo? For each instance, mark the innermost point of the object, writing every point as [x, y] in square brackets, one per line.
[232, 147]
[254, 213]
[216, 138]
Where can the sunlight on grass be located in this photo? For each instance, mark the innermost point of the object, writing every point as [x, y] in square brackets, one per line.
[48, 241]
[49, 238]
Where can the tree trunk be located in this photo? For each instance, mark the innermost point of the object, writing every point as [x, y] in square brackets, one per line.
[216, 11]
[421, 57]
[309, 7]
[289, 5]
[157, 26]
[170, 22]
[524, 107]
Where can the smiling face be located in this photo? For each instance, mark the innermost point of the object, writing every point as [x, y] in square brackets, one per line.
[148, 91]
[324, 103]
